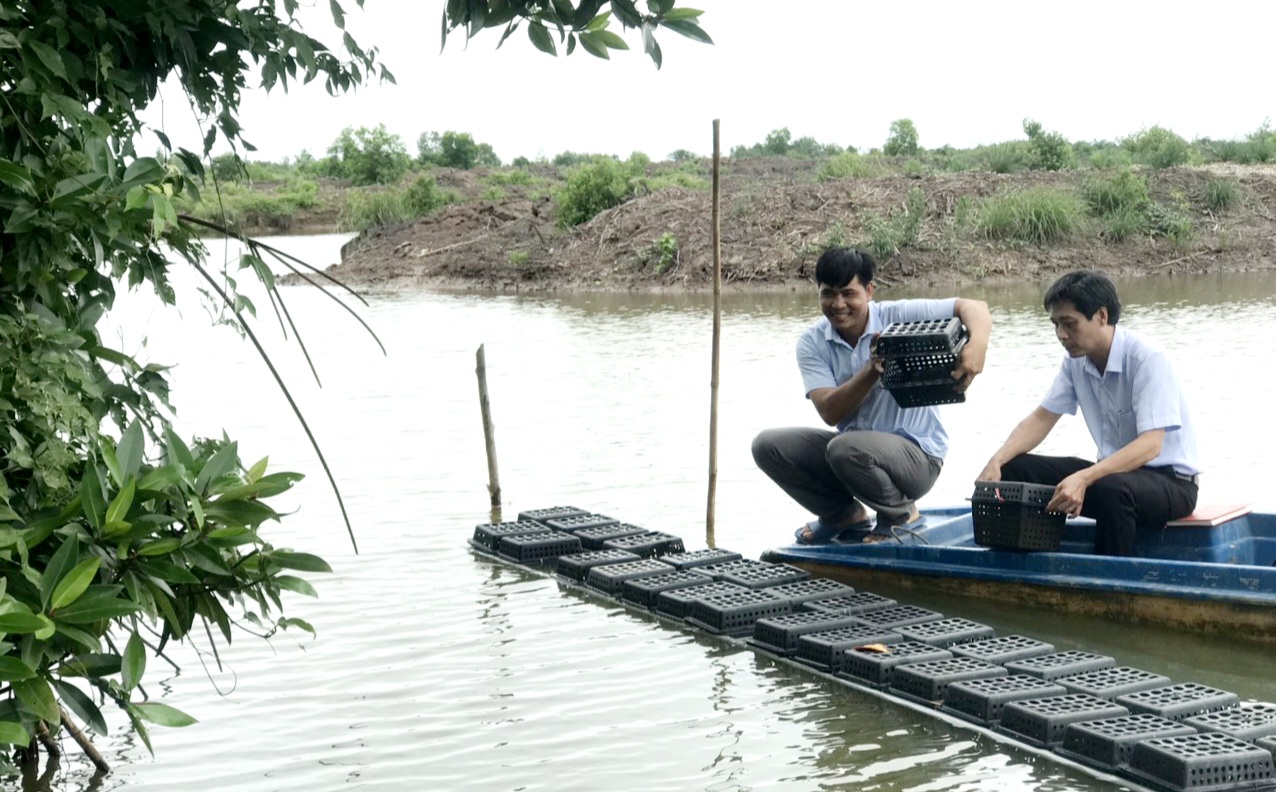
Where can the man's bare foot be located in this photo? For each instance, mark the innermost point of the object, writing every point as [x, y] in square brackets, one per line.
[859, 516]
[886, 534]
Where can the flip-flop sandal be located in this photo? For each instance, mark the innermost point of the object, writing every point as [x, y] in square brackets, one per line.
[823, 534]
[902, 533]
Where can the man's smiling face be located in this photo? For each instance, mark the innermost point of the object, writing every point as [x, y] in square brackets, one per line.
[847, 307]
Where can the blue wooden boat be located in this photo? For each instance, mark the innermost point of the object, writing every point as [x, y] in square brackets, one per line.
[1219, 578]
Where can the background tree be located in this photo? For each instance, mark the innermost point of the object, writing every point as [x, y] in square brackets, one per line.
[455, 150]
[369, 156]
[902, 141]
[1049, 151]
[116, 535]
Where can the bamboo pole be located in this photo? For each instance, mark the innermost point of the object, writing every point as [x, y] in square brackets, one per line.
[489, 436]
[709, 526]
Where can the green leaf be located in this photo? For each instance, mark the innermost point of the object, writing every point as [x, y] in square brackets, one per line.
[14, 670]
[129, 451]
[49, 57]
[594, 45]
[599, 22]
[85, 639]
[36, 697]
[541, 39]
[689, 29]
[258, 469]
[13, 734]
[303, 562]
[217, 466]
[167, 571]
[81, 705]
[160, 478]
[682, 13]
[160, 546]
[92, 501]
[64, 559]
[22, 622]
[136, 198]
[134, 665]
[123, 501]
[99, 602]
[296, 584]
[163, 714]
[611, 40]
[239, 512]
[16, 176]
[74, 584]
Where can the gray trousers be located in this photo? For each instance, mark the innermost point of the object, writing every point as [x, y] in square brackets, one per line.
[827, 471]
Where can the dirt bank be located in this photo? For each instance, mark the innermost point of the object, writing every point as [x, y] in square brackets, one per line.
[776, 216]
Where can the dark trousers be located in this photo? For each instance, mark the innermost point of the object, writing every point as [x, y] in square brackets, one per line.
[1121, 504]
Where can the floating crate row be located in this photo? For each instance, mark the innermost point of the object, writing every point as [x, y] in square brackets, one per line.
[1082, 706]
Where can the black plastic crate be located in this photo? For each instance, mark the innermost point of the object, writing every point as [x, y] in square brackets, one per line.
[920, 338]
[812, 590]
[696, 559]
[488, 536]
[1061, 664]
[1247, 722]
[1041, 721]
[650, 544]
[577, 522]
[947, 632]
[1005, 649]
[577, 565]
[765, 575]
[1012, 515]
[850, 604]
[926, 682]
[735, 613]
[541, 515]
[873, 667]
[982, 700]
[537, 548]
[677, 602]
[929, 367]
[1267, 742]
[899, 616]
[644, 590]
[593, 537]
[926, 394]
[716, 571]
[825, 650]
[1209, 762]
[1108, 683]
[609, 578]
[1108, 743]
[779, 634]
[1177, 702]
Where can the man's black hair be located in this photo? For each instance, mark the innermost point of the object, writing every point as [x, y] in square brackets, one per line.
[838, 266]
[1088, 291]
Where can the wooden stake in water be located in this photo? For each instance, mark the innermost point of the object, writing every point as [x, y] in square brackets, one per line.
[489, 436]
[717, 334]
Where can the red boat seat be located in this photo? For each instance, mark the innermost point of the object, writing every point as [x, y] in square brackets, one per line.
[1207, 515]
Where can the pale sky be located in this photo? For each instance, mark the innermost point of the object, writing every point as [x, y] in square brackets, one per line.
[838, 71]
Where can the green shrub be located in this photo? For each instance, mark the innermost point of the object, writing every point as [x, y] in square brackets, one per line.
[887, 235]
[510, 178]
[902, 141]
[1120, 192]
[598, 185]
[666, 253]
[852, 165]
[1124, 223]
[423, 196]
[678, 178]
[1221, 194]
[1006, 157]
[1110, 159]
[366, 209]
[1157, 147]
[1049, 151]
[1169, 223]
[369, 156]
[492, 194]
[1038, 215]
[518, 257]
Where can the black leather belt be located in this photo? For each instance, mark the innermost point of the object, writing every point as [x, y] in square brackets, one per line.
[1184, 477]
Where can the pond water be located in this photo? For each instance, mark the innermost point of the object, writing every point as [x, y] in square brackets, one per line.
[438, 669]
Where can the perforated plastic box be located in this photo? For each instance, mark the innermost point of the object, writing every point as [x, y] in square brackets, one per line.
[1012, 515]
[810, 590]
[592, 538]
[487, 537]
[1108, 683]
[850, 604]
[695, 559]
[716, 571]
[919, 338]
[734, 614]
[927, 367]
[926, 682]
[946, 632]
[540, 515]
[1061, 664]
[677, 602]
[765, 575]
[1177, 702]
[1041, 721]
[644, 590]
[1210, 762]
[1006, 649]
[780, 634]
[577, 522]
[899, 616]
[650, 544]
[825, 649]
[577, 565]
[1247, 722]
[1108, 743]
[874, 668]
[538, 548]
[982, 700]
[609, 578]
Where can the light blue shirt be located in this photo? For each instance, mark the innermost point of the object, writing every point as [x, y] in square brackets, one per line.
[826, 360]
[1137, 393]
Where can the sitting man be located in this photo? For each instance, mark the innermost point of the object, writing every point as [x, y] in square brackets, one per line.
[1134, 408]
[881, 456]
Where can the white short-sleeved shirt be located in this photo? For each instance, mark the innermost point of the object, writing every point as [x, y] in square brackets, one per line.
[1138, 392]
[826, 360]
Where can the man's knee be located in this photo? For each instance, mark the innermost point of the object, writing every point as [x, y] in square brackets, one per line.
[764, 445]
